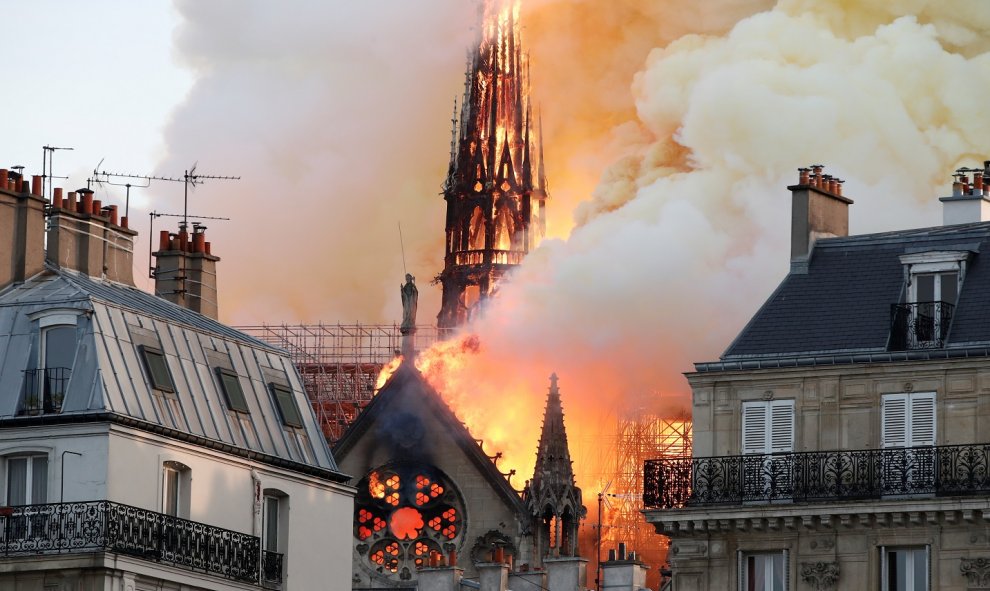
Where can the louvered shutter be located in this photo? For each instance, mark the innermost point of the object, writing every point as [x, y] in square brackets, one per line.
[894, 420]
[754, 428]
[781, 426]
[922, 419]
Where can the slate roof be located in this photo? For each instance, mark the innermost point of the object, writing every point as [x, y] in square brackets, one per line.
[841, 306]
[108, 377]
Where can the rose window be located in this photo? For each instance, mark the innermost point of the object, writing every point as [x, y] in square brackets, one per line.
[404, 513]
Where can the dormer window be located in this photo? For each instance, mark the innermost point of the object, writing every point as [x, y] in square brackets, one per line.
[46, 385]
[934, 280]
[157, 367]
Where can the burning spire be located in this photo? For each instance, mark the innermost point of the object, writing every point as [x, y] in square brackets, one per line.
[495, 188]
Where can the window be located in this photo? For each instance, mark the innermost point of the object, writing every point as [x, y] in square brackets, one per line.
[27, 480]
[904, 569]
[908, 420]
[157, 367]
[766, 571]
[232, 391]
[768, 427]
[286, 404]
[176, 480]
[270, 533]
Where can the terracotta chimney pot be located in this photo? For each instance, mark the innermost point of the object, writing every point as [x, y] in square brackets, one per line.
[57, 198]
[36, 185]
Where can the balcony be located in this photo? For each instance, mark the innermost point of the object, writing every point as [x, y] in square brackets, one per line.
[103, 526]
[822, 476]
[497, 257]
[919, 325]
[44, 390]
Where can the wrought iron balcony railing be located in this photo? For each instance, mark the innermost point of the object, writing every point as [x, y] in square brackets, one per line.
[60, 528]
[951, 470]
[919, 325]
[44, 390]
[271, 568]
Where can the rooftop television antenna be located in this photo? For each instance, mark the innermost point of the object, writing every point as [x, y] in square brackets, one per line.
[145, 181]
[48, 168]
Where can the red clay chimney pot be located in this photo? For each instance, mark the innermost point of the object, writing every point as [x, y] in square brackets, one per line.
[57, 198]
[113, 214]
[87, 202]
[36, 185]
[97, 207]
[4, 178]
[123, 222]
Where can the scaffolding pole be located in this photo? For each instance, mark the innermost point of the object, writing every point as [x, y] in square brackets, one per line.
[339, 363]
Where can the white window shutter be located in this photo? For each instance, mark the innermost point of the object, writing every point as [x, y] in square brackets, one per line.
[894, 420]
[781, 426]
[754, 428]
[922, 419]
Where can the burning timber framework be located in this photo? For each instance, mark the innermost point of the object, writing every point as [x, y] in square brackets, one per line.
[645, 437]
[340, 363]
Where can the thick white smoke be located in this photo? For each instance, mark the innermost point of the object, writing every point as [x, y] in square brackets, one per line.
[337, 119]
[688, 232]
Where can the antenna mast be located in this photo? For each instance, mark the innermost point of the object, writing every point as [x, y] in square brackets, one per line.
[47, 168]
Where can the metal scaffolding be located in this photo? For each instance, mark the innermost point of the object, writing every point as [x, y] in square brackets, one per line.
[339, 364]
[644, 437]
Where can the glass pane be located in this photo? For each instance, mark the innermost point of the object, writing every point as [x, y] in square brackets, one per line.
[778, 572]
[233, 391]
[17, 481]
[926, 288]
[39, 480]
[60, 346]
[287, 406]
[897, 570]
[271, 524]
[171, 500]
[920, 574]
[158, 370]
[949, 285]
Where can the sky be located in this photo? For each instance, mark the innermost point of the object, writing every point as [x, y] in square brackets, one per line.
[672, 130]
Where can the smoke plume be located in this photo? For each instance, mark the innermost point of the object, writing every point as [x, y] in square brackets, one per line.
[672, 129]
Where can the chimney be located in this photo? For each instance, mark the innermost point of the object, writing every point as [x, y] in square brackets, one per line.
[623, 573]
[818, 210]
[444, 578]
[969, 203]
[493, 576]
[566, 574]
[85, 237]
[186, 271]
[22, 227]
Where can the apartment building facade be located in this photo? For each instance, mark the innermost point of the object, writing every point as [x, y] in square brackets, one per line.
[144, 445]
[841, 442]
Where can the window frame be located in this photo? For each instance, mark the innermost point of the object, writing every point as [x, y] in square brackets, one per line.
[145, 351]
[276, 388]
[885, 566]
[910, 409]
[240, 405]
[769, 415]
[29, 476]
[182, 475]
[744, 572]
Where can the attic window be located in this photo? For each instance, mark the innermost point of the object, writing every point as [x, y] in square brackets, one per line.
[232, 391]
[286, 404]
[933, 282]
[157, 367]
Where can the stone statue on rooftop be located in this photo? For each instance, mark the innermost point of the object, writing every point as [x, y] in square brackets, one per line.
[410, 299]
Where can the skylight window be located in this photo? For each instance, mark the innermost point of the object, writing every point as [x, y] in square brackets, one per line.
[232, 391]
[157, 366]
[286, 403]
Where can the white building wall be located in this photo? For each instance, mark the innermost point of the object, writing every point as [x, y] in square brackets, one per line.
[78, 450]
[223, 494]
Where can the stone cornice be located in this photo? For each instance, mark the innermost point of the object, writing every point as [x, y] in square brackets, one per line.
[867, 514]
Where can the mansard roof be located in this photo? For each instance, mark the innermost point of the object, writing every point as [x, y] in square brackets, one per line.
[109, 381]
[839, 310]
